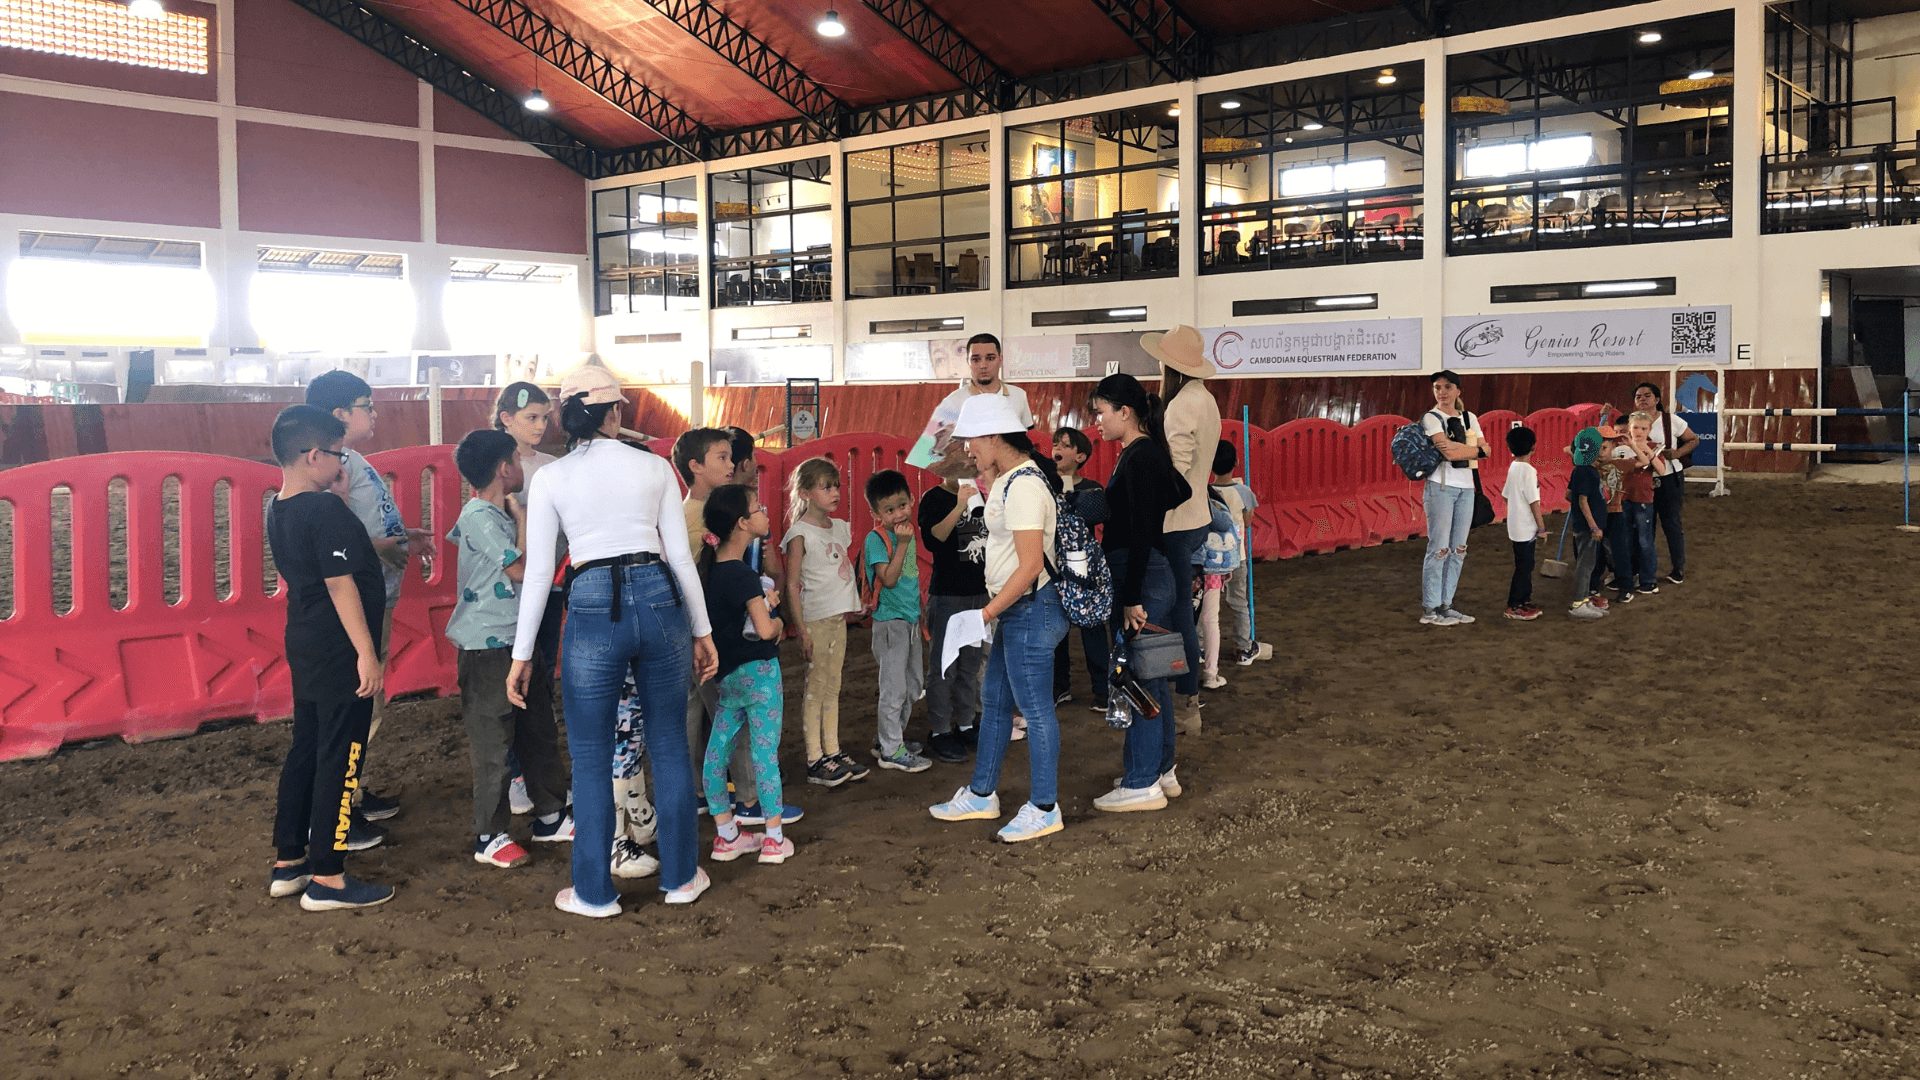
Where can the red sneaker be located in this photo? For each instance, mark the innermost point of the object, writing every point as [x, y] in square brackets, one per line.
[1598, 601]
[1523, 613]
[500, 851]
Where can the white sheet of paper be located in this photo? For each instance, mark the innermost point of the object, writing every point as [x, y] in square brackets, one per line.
[963, 629]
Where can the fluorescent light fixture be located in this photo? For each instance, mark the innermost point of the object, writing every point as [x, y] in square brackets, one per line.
[537, 102]
[1649, 37]
[1610, 288]
[1312, 125]
[1230, 103]
[953, 322]
[1125, 312]
[1861, 168]
[146, 9]
[1344, 301]
[1703, 73]
[1387, 77]
[830, 25]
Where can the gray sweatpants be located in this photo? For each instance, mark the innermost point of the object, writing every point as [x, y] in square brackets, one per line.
[494, 727]
[1236, 625]
[896, 652]
[953, 697]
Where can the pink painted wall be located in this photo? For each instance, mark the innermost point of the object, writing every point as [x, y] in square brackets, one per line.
[453, 118]
[140, 80]
[328, 184]
[509, 201]
[76, 159]
[291, 61]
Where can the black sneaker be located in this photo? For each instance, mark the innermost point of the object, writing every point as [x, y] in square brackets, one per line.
[855, 770]
[1064, 697]
[1624, 596]
[1677, 578]
[970, 736]
[351, 894]
[826, 772]
[947, 747]
[1649, 590]
[377, 807]
[363, 834]
[1099, 705]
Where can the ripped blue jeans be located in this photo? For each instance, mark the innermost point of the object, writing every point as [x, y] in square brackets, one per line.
[1449, 517]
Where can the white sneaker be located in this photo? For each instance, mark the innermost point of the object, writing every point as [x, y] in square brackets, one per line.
[630, 860]
[1169, 783]
[1214, 682]
[1460, 617]
[517, 798]
[688, 893]
[1031, 823]
[1440, 618]
[966, 806]
[573, 905]
[1123, 800]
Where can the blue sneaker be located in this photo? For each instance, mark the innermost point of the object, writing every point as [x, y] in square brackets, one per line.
[288, 881]
[1032, 823]
[351, 894]
[749, 814]
[558, 832]
[966, 806]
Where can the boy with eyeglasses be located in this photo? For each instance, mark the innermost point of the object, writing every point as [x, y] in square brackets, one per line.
[333, 644]
[349, 399]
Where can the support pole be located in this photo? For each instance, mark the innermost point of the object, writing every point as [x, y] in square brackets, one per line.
[1246, 463]
[1720, 429]
[1906, 462]
[433, 406]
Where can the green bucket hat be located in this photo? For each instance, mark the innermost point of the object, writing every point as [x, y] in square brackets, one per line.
[1586, 446]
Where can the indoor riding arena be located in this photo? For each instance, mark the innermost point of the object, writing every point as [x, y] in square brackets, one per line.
[1276, 735]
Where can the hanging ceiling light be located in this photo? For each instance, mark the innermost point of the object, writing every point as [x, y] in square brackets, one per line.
[1230, 103]
[1703, 73]
[536, 102]
[146, 9]
[830, 25]
[1387, 77]
[1173, 110]
[1649, 37]
[1312, 125]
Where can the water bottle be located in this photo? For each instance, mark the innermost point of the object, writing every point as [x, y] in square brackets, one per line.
[1119, 710]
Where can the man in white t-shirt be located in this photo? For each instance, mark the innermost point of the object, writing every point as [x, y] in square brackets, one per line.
[1526, 520]
[984, 362]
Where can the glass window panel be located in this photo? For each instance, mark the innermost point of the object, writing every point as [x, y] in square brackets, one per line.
[964, 162]
[1034, 150]
[733, 239]
[772, 234]
[1563, 152]
[870, 224]
[1306, 180]
[868, 175]
[1090, 198]
[966, 215]
[1360, 175]
[812, 231]
[870, 273]
[810, 193]
[610, 210]
[969, 266]
[917, 219]
[1037, 204]
[685, 190]
[612, 251]
[1504, 159]
[647, 205]
[916, 168]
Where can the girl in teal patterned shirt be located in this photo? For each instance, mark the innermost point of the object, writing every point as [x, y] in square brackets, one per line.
[746, 632]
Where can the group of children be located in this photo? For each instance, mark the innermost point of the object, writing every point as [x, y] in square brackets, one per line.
[1610, 516]
[345, 557]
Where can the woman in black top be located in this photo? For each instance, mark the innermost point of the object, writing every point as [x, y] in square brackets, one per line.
[1144, 486]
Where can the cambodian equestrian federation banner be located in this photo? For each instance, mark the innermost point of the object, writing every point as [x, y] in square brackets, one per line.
[1641, 338]
[1315, 348]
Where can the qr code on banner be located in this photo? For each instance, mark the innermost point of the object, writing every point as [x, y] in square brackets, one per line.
[1696, 333]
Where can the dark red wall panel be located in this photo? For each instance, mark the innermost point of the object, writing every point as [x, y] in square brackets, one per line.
[328, 184]
[76, 159]
[291, 61]
[509, 201]
[453, 118]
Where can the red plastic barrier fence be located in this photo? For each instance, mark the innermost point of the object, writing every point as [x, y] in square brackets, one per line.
[146, 668]
[1493, 471]
[428, 491]
[859, 457]
[1554, 429]
[1389, 503]
[1313, 487]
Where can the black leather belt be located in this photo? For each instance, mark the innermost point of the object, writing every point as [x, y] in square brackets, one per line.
[631, 558]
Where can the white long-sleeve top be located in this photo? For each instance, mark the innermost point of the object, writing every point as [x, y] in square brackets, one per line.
[612, 500]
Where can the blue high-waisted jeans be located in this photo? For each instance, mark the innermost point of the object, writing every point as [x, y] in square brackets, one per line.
[651, 639]
[1020, 675]
[1149, 750]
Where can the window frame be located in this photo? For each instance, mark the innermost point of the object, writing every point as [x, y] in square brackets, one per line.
[943, 242]
[1120, 229]
[770, 277]
[682, 272]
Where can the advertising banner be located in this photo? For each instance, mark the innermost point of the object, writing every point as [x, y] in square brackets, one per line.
[1315, 348]
[1652, 337]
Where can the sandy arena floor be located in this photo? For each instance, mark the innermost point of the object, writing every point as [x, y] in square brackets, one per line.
[1680, 842]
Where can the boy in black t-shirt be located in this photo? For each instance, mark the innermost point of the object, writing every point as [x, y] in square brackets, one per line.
[955, 534]
[335, 597]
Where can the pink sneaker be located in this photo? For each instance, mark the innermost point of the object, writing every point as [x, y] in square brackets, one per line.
[725, 850]
[773, 852]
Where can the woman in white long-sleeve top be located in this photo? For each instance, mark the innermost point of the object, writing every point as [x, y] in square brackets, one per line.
[634, 602]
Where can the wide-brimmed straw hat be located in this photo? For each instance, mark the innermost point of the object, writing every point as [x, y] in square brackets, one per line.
[1181, 349]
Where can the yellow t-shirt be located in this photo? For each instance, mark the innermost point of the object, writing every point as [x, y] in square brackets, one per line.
[696, 511]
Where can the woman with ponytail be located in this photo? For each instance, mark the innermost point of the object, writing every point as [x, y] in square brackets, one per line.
[1144, 488]
[1191, 423]
[634, 602]
[1024, 614]
[1673, 442]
